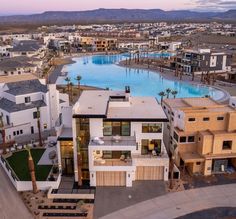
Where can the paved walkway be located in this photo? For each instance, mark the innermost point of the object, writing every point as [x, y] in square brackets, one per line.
[44, 160]
[11, 205]
[178, 204]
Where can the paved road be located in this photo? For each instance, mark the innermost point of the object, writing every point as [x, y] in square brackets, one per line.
[11, 205]
[177, 204]
[213, 213]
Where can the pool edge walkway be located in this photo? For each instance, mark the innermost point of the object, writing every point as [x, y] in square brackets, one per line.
[177, 204]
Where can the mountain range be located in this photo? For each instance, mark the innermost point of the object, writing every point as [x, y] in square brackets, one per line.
[118, 15]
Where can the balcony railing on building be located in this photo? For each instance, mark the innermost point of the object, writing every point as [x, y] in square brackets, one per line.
[113, 141]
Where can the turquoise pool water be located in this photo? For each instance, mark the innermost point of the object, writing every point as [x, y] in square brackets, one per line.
[102, 71]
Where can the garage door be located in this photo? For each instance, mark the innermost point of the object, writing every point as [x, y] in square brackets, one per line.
[149, 173]
[110, 178]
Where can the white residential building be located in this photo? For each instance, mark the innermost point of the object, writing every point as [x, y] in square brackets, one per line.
[232, 102]
[5, 51]
[118, 137]
[19, 102]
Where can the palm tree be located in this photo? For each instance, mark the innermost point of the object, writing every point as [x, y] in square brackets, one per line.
[78, 79]
[67, 79]
[32, 170]
[172, 165]
[174, 93]
[71, 91]
[181, 73]
[80, 162]
[162, 94]
[168, 91]
[193, 76]
[39, 127]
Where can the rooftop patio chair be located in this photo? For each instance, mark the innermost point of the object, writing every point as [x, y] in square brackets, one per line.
[154, 153]
[122, 157]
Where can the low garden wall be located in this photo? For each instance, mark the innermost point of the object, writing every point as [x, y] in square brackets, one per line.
[27, 185]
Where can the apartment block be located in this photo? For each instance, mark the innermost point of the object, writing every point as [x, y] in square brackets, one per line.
[203, 61]
[202, 134]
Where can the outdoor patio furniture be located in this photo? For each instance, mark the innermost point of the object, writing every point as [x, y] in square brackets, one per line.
[98, 140]
[50, 145]
[52, 155]
[19, 147]
[116, 138]
[154, 153]
[54, 143]
[122, 157]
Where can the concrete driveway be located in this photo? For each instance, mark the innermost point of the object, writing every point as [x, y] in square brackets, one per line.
[11, 205]
[110, 199]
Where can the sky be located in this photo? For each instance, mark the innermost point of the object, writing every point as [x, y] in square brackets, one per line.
[8, 7]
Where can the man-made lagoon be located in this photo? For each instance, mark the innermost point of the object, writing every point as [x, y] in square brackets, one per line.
[102, 71]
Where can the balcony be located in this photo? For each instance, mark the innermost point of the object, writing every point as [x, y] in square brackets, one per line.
[113, 141]
[151, 156]
[112, 162]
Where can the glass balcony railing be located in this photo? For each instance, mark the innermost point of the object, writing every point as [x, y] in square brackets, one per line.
[114, 141]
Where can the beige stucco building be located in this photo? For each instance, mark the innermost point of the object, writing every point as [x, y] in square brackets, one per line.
[203, 133]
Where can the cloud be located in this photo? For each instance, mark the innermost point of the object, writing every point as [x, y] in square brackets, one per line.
[214, 5]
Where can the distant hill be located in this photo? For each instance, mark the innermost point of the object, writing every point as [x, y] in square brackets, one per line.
[117, 15]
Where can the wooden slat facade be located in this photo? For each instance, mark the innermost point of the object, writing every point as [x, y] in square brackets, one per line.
[149, 173]
[110, 178]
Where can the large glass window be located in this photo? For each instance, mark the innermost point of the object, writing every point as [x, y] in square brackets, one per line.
[116, 128]
[148, 146]
[151, 128]
[107, 128]
[125, 128]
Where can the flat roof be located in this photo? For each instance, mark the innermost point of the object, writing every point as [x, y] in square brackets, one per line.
[140, 108]
[201, 104]
[96, 103]
[189, 157]
[66, 135]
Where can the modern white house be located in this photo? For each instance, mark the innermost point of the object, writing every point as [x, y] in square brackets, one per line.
[5, 50]
[19, 102]
[19, 65]
[114, 139]
[29, 48]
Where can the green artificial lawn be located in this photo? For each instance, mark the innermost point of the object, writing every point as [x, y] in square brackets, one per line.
[19, 163]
